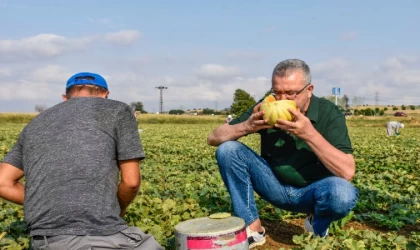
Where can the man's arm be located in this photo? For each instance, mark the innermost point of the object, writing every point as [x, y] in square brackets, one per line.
[129, 184]
[228, 132]
[10, 188]
[338, 162]
[397, 128]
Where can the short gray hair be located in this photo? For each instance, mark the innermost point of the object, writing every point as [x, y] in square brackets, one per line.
[290, 66]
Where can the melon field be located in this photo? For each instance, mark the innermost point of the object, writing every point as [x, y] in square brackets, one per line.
[181, 181]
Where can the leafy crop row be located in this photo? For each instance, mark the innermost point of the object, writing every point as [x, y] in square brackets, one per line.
[181, 181]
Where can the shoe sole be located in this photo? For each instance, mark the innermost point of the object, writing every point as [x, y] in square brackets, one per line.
[308, 226]
[259, 243]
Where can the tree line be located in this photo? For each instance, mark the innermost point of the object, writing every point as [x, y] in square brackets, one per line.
[242, 101]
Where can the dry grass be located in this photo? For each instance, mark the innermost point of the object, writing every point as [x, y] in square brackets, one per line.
[21, 118]
[179, 119]
[363, 121]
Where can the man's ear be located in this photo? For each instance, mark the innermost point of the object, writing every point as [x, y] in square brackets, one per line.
[105, 95]
[310, 90]
[64, 97]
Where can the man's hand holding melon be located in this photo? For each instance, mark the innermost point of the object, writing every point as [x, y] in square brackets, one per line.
[285, 115]
[274, 110]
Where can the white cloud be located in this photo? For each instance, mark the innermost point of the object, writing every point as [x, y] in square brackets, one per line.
[398, 62]
[42, 83]
[54, 74]
[124, 37]
[396, 79]
[26, 90]
[4, 72]
[216, 71]
[40, 47]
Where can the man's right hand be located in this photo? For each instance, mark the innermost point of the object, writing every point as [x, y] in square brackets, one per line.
[256, 121]
[228, 132]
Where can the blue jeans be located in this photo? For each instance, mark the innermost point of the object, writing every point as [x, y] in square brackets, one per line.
[243, 172]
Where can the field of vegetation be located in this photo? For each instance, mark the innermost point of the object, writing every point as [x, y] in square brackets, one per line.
[181, 181]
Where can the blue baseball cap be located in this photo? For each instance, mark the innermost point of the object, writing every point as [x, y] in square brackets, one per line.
[86, 78]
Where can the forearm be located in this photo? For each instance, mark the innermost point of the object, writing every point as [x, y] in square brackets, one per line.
[13, 192]
[338, 162]
[227, 133]
[126, 195]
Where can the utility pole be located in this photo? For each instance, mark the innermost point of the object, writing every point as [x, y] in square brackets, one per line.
[161, 88]
[376, 101]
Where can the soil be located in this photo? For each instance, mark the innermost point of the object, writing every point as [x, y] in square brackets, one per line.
[280, 233]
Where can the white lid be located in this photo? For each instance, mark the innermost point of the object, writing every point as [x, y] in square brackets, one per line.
[206, 226]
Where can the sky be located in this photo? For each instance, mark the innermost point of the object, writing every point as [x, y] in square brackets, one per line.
[202, 51]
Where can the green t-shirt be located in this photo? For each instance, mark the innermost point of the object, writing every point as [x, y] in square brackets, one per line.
[291, 159]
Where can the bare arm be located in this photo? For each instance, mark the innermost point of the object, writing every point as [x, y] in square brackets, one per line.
[10, 188]
[338, 162]
[129, 184]
[228, 132]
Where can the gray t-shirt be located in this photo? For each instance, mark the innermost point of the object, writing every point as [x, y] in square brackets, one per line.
[69, 154]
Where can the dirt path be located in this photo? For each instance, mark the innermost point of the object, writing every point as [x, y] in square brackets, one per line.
[280, 233]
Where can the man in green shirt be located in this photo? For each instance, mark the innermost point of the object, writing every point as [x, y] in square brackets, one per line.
[305, 165]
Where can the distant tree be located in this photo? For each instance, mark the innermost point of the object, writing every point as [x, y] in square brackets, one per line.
[385, 109]
[394, 108]
[208, 111]
[40, 108]
[376, 111]
[330, 98]
[368, 112]
[242, 101]
[346, 102]
[137, 106]
[412, 107]
[381, 113]
[403, 107]
[176, 112]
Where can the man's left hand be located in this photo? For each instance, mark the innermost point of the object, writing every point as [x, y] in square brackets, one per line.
[301, 126]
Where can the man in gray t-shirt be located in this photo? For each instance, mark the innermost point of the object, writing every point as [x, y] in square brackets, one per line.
[71, 156]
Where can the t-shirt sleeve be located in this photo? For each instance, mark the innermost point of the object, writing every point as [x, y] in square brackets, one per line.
[129, 144]
[337, 134]
[244, 116]
[14, 156]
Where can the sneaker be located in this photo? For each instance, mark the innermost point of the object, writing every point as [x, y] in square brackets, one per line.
[308, 225]
[255, 238]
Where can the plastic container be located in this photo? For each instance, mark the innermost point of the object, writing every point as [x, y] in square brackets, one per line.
[205, 233]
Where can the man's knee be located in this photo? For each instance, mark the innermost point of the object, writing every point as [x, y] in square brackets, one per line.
[342, 197]
[227, 149]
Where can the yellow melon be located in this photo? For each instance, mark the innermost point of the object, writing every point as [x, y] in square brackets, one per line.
[274, 110]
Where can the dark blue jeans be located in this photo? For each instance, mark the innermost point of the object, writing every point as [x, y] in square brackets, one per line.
[243, 172]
